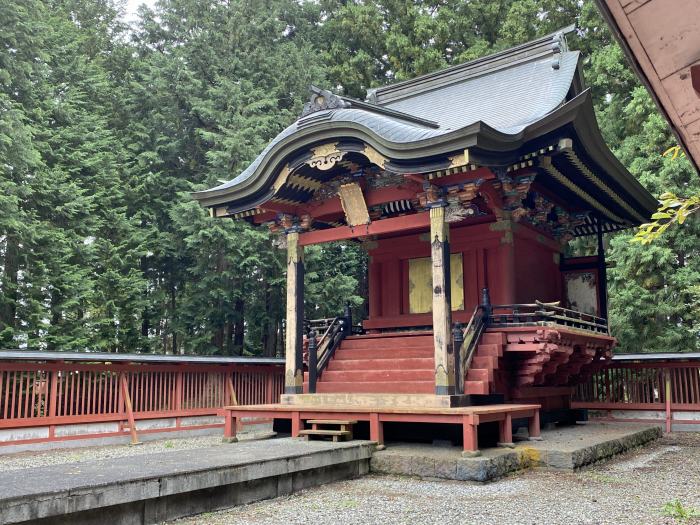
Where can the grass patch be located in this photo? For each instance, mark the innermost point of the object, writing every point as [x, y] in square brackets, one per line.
[603, 478]
[679, 512]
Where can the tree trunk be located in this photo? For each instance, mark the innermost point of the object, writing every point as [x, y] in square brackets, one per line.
[8, 310]
[239, 326]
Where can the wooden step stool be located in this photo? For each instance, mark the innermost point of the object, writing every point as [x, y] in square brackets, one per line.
[343, 432]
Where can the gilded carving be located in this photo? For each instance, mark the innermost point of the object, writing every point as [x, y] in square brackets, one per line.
[374, 156]
[325, 156]
[461, 159]
[281, 178]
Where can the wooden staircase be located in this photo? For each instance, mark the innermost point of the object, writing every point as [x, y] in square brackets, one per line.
[504, 362]
[485, 373]
[392, 364]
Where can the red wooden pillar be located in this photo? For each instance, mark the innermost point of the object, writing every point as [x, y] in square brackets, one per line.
[53, 399]
[376, 430]
[534, 426]
[375, 287]
[506, 431]
[230, 426]
[296, 424]
[470, 423]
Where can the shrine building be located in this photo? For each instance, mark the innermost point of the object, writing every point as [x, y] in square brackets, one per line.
[465, 187]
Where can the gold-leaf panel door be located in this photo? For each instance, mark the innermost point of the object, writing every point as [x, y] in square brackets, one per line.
[420, 284]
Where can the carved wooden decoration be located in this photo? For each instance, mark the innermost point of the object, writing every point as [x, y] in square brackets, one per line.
[374, 156]
[461, 159]
[354, 205]
[281, 178]
[325, 156]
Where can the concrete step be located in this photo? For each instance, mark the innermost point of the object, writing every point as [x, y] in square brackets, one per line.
[476, 387]
[348, 376]
[388, 387]
[412, 363]
[416, 341]
[382, 353]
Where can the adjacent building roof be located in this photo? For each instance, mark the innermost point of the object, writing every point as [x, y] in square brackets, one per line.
[504, 108]
[661, 38]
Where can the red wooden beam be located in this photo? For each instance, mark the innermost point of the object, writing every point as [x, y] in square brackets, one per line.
[372, 198]
[392, 225]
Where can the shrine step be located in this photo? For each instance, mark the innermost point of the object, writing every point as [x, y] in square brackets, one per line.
[414, 341]
[337, 435]
[476, 387]
[377, 399]
[378, 387]
[479, 374]
[396, 374]
[382, 353]
[408, 363]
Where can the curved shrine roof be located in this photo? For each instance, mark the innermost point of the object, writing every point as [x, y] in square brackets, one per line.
[499, 107]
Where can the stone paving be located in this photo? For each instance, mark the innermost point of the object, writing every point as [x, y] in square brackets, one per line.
[643, 487]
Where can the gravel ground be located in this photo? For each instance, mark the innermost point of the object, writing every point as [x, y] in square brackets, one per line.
[60, 456]
[632, 489]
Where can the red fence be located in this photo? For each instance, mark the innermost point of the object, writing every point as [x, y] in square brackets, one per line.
[666, 390]
[51, 396]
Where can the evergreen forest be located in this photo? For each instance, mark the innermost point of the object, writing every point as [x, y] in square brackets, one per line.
[107, 126]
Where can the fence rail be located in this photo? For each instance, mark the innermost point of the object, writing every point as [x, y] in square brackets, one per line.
[52, 394]
[662, 387]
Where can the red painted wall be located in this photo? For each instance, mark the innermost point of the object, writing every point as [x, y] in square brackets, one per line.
[537, 267]
[516, 266]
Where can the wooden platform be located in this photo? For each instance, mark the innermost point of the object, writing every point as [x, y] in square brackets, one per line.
[468, 417]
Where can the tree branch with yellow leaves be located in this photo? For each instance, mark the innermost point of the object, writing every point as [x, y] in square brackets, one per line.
[672, 209]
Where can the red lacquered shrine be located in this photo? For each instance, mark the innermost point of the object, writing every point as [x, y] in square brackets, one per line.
[464, 186]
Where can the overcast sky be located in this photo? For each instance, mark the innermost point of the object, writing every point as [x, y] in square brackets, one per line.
[133, 5]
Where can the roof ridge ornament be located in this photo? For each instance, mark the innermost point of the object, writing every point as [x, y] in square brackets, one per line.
[322, 99]
[558, 47]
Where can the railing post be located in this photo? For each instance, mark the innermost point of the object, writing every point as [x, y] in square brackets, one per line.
[178, 391]
[53, 393]
[486, 304]
[667, 389]
[458, 341]
[313, 362]
[348, 319]
[270, 395]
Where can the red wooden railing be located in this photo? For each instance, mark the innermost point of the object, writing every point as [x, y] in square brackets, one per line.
[53, 393]
[662, 386]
